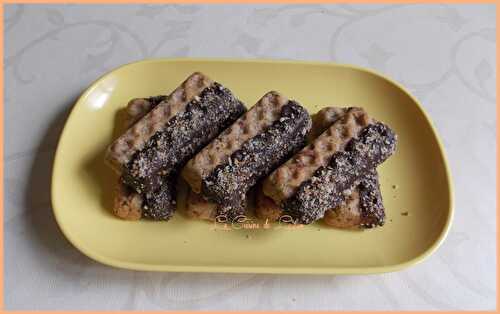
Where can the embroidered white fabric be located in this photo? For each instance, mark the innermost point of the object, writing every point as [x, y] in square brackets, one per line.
[445, 54]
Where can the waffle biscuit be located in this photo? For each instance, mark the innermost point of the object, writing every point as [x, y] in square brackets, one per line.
[356, 211]
[266, 208]
[199, 208]
[210, 112]
[324, 118]
[324, 190]
[285, 180]
[362, 208]
[128, 203]
[139, 107]
[253, 146]
[203, 109]
[256, 120]
[121, 151]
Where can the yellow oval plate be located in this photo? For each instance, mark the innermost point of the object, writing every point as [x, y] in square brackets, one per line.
[416, 184]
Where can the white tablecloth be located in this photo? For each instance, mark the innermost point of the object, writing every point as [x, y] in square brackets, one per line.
[444, 54]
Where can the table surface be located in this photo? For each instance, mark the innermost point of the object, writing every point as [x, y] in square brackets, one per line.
[444, 54]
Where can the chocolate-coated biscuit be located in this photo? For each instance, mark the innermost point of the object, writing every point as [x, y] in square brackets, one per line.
[208, 114]
[324, 190]
[263, 138]
[164, 132]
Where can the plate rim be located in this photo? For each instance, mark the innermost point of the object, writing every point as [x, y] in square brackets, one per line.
[252, 269]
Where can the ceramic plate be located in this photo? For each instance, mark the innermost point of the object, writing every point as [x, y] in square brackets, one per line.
[415, 182]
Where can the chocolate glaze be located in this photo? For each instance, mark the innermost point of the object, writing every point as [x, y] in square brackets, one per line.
[183, 136]
[370, 201]
[232, 209]
[325, 189]
[161, 204]
[228, 183]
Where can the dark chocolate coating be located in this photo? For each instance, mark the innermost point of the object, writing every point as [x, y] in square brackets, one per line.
[370, 201]
[184, 135]
[161, 204]
[228, 183]
[324, 190]
[232, 210]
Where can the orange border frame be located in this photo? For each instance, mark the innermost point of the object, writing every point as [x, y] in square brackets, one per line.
[2, 2]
